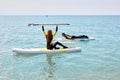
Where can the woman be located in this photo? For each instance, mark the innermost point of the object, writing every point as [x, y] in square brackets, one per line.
[49, 37]
[73, 37]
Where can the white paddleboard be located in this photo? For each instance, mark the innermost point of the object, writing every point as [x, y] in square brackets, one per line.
[45, 51]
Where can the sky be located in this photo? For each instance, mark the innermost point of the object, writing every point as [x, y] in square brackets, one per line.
[59, 7]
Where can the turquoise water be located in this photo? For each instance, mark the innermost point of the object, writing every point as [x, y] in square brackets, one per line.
[98, 60]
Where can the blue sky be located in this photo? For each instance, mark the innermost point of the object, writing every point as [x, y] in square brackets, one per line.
[59, 7]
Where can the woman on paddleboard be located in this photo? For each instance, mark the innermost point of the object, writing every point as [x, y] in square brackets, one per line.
[49, 37]
[74, 37]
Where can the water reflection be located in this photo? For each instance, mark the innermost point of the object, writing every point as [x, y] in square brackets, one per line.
[50, 68]
[49, 59]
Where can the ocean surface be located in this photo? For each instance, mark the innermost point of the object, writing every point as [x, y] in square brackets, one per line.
[99, 59]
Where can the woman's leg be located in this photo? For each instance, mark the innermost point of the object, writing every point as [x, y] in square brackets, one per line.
[58, 43]
[81, 36]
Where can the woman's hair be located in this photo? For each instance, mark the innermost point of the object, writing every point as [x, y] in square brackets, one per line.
[49, 35]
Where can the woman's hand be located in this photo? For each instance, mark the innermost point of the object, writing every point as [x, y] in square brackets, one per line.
[43, 28]
[56, 28]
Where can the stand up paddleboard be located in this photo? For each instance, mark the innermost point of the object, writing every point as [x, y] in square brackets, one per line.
[45, 51]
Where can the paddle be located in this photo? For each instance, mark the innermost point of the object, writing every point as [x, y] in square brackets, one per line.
[32, 24]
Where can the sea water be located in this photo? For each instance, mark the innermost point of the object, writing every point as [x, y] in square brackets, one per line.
[99, 59]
